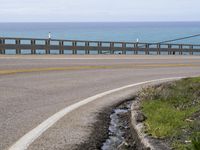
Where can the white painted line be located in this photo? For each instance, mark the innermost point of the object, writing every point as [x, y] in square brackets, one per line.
[30, 137]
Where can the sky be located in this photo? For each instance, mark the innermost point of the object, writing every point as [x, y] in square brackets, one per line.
[99, 10]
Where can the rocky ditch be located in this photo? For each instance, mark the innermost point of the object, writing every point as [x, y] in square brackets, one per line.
[112, 130]
[120, 136]
[121, 127]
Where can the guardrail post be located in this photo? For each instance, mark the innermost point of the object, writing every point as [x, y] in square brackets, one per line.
[1, 46]
[2, 50]
[87, 44]
[111, 48]
[147, 49]
[191, 49]
[158, 49]
[33, 50]
[136, 48]
[99, 47]
[74, 43]
[124, 48]
[18, 49]
[61, 50]
[170, 49]
[47, 46]
[180, 49]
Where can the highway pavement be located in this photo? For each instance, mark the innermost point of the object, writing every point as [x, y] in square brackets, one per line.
[34, 88]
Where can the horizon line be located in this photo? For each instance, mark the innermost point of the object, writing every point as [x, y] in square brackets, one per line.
[101, 21]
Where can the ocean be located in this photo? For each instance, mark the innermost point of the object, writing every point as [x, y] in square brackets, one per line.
[115, 31]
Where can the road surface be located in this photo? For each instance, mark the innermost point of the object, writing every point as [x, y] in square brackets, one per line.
[33, 88]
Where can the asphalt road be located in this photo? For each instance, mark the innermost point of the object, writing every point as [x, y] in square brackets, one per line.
[33, 88]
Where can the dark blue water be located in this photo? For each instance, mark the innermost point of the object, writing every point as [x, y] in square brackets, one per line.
[146, 32]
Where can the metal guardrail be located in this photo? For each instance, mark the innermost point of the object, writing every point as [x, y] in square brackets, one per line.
[34, 44]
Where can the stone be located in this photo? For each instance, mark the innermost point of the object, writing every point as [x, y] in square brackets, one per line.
[140, 117]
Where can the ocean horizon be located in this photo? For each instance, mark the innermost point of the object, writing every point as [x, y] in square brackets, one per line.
[103, 31]
[109, 31]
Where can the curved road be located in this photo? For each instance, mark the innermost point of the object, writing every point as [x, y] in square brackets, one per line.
[33, 88]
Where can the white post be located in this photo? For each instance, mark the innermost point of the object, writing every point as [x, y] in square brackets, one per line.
[49, 35]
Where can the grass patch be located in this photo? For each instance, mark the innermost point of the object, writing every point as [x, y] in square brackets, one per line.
[163, 119]
[195, 142]
[173, 111]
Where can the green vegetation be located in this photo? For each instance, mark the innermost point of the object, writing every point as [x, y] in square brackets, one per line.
[195, 142]
[173, 112]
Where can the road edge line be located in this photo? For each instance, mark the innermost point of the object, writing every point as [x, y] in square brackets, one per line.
[25, 141]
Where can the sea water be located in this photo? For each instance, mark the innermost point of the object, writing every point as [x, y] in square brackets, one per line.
[115, 31]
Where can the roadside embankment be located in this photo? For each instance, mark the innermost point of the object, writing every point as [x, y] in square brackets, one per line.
[160, 117]
[167, 116]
